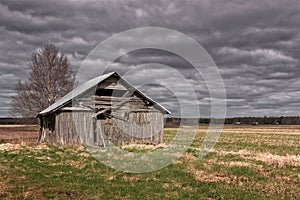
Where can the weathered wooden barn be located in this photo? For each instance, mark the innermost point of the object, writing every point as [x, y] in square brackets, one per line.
[104, 110]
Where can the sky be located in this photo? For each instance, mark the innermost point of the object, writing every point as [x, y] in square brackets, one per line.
[254, 44]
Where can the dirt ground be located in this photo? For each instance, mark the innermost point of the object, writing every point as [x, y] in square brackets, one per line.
[19, 134]
[28, 134]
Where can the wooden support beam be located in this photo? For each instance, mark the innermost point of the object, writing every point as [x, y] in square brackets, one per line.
[75, 109]
[100, 112]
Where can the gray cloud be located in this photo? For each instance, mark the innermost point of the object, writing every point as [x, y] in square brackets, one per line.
[255, 45]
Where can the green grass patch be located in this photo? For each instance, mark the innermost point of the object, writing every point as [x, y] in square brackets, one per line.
[71, 173]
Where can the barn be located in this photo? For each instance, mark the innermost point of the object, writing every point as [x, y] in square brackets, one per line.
[102, 111]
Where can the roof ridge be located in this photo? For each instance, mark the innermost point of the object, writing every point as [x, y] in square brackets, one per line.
[89, 84]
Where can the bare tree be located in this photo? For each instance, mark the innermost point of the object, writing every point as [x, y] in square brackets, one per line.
[50, 79]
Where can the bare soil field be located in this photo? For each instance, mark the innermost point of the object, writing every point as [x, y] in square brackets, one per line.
[19, 134]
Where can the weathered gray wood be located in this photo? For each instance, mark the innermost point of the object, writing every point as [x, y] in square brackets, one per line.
[131, 118]
[75, 109]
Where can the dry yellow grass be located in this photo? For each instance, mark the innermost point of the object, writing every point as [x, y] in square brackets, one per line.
[271, 159]
[248, 162]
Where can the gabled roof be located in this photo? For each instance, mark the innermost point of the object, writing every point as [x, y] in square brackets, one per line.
[90, 84]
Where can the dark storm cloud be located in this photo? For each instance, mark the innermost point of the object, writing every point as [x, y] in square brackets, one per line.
[254, 43]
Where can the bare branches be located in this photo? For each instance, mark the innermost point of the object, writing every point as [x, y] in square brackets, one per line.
[50, 79]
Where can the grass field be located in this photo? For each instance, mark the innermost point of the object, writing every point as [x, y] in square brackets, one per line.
[248, 162]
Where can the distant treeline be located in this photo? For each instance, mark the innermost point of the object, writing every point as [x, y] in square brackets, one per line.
[16, 121]
[176, 121]
[241, 120]
[264, 120]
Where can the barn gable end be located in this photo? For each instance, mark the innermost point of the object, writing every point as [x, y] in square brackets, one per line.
[106, 111]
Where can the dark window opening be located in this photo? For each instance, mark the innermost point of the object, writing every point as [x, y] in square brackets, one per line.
[105, 115]
[110, 92]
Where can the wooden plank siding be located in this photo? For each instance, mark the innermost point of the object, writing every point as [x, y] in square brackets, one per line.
[129, 118]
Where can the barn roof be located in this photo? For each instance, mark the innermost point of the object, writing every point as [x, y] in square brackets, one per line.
[90, 84]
